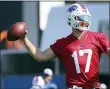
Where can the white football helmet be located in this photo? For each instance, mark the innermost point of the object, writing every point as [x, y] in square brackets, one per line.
[79, 17]
[38, 82]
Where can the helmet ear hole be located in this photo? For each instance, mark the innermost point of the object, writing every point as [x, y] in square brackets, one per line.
[69, 19]
[69, 23]
[75, 18]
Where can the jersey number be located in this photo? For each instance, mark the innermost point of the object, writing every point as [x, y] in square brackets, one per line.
[81, 53]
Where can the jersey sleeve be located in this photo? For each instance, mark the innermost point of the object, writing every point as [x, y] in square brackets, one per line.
[57, 46]
[103, 42]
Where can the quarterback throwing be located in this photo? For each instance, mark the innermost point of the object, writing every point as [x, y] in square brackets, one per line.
[80, 51]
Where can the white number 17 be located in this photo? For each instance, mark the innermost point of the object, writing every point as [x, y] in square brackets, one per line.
[81, 53]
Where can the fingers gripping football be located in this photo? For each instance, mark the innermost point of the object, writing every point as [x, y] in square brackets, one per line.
[17, 31]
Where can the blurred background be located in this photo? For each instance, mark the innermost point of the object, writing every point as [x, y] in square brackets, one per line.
[46, 22]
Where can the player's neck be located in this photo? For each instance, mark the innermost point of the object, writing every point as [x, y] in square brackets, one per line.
[78, 34]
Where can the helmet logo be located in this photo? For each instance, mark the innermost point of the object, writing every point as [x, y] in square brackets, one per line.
[72, 8]
[83, 8]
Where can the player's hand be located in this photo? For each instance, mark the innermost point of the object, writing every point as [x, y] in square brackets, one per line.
[25, 36]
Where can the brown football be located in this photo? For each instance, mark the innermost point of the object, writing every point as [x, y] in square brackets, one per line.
[16, 31]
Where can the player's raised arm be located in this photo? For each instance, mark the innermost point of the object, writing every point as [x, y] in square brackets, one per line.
[18, 31]
[36, 53]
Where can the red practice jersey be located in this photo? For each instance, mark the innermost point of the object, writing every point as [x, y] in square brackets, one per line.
[81, 58]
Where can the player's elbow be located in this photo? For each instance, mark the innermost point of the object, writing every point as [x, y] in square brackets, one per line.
[40, 58]
[37, 59]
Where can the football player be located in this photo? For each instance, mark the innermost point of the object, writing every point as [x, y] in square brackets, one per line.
[44, 81]
[79, 52]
